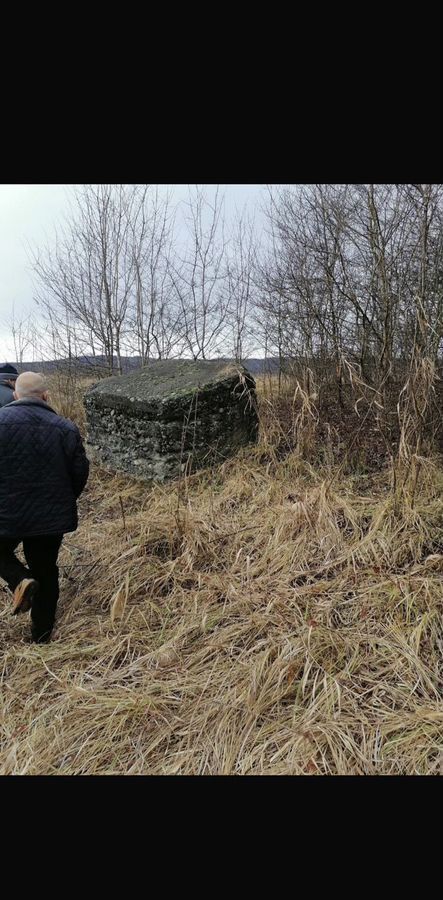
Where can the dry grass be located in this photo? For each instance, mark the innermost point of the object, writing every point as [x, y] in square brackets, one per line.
[66, 396]
[258, 619]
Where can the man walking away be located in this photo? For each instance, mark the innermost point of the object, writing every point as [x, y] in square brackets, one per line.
[43, 470]
[8, 377]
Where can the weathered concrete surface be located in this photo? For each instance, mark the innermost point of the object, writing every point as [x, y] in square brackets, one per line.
[171, 416]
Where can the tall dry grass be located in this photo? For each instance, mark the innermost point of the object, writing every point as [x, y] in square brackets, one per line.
[261, 618]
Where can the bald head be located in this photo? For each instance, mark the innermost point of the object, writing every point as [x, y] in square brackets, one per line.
[31, 385]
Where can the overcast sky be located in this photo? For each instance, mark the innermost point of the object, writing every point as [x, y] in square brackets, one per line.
[28, 213]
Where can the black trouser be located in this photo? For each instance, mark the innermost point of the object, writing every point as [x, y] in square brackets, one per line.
[41, 556]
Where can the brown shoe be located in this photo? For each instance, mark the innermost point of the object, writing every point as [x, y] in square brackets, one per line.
[23, 595]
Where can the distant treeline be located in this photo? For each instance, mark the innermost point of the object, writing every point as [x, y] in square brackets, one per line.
[99, 365]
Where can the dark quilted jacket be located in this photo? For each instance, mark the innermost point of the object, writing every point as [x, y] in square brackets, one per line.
[6, 394]
[43, 469]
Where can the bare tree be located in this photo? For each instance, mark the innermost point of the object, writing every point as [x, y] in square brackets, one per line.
[348, 253]
[155, 319]
[241, 287]
[24, 336]
[90, 274]
[198, 276]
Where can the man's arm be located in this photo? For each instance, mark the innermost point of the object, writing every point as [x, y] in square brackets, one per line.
[79, 463]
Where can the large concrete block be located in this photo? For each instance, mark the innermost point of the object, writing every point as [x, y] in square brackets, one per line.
[171, 416]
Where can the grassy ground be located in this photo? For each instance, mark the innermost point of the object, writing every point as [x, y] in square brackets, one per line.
[258, 619]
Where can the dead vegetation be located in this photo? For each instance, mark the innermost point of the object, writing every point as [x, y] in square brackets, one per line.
[269, 617]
